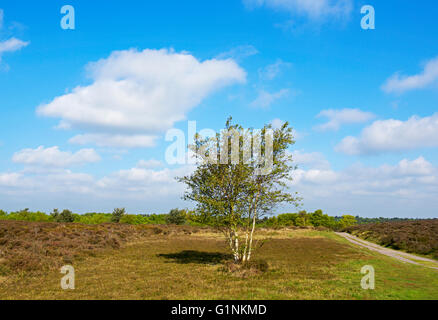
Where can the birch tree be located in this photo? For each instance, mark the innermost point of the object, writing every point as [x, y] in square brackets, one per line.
[241, 176]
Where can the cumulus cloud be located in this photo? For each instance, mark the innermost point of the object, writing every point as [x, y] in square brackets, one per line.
[277, 123]
[401, 83]
[266, 99]
[53, 157]
[115, 140]
[271, 71]
[140, 92]
[406, 189]
[337, 118]
[139, 189]
[314, 9]
[392, 136]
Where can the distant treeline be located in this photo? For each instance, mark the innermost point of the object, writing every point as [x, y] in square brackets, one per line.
[189, 217]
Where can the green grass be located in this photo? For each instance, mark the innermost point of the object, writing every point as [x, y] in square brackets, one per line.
[304, 264]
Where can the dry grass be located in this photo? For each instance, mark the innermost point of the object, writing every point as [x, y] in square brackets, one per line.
[182, 264]
[39, 246]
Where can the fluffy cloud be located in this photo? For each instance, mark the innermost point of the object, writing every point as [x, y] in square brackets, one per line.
[115, 140]
[139, 92]
[393, 135]
[399, 83]
[53, 157]
[277, 123]
[139, 189]
[406, 189]
[337, 118]
[266, 99]
[314, 9]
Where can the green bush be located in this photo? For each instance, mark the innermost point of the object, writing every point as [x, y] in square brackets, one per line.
[65, 216]
[117, 214]
[176, 216]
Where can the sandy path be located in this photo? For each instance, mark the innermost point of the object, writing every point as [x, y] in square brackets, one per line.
[399, 255]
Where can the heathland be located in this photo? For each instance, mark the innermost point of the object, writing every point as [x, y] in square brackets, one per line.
[122, 261]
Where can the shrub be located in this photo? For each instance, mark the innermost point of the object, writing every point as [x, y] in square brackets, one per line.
[64, 216]
[118, 213]
[129, 219]
[176, 216]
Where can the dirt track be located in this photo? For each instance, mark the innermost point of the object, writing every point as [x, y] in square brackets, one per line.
[399, 255]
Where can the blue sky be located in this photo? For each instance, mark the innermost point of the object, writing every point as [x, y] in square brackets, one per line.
[90, 136]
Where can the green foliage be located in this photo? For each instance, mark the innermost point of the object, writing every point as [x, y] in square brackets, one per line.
[176, 216]
[93, 218]
[234, 185]
[143, 219]
[65, 216]
[347, 221]
[118, 213]
[301, 219]
[26, 215]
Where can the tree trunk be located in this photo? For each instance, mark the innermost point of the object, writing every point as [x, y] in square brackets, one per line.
[254, 219]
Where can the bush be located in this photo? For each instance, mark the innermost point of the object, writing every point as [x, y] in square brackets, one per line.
[118, 213]
[65, 216]
[176, 216]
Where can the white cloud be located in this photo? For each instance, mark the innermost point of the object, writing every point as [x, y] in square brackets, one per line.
[148, 164]
[314, 9]
[10, 179]
[140, 92]
[406, 189]
[266, 99]
[115, 140]
[400, 83]
[393, 135]
[273, 70]
[337, 118]
[139, 189]
[277, 123]
[314, 160]
[53, 157]
[11, 45]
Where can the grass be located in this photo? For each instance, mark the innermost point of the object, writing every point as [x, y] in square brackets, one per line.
[303, 264]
